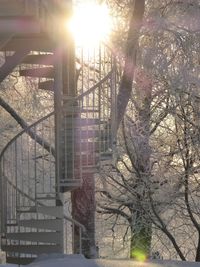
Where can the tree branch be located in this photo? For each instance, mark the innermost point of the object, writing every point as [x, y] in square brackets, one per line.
[25, 126]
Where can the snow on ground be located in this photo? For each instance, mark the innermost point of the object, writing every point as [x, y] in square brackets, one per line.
[80, 261]
[7, 265]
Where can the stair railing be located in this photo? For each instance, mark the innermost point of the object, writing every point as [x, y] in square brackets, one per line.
[27, 173]
[97, 88]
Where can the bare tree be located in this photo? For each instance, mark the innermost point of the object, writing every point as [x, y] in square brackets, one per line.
[155, 179]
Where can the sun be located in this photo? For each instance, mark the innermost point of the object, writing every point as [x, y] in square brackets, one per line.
[90, 24]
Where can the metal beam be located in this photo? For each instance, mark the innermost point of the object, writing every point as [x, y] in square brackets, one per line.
[38, 42]
[12, 62]
[4, 39]
[19, 25]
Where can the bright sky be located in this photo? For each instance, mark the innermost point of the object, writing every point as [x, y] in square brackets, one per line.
[91, 23]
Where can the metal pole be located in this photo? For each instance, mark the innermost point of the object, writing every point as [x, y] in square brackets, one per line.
[58, 86]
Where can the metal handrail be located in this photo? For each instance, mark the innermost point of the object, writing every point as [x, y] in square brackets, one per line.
[42, 204]
[26, 130]
[19, 191]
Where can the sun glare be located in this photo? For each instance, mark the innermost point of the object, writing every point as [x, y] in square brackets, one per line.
[90, 24]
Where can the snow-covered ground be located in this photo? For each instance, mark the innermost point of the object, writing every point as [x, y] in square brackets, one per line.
[80, 261]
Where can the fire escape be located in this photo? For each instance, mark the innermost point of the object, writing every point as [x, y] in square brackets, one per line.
[52, 155]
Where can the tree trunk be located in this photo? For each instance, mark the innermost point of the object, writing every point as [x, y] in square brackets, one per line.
[141, 232]
[126, 84]
[197, 258]
[83, 210]
[141, 235]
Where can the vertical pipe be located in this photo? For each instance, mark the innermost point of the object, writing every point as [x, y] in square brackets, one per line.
[3, 196]
[35, 163]
[113, 102]
[50, 156]
[58, 85]
[99, 102]
[28, 164]
[69, 92]
[66, 235]
[62, 237]
[80, 240]
[16, 177]
[43, 167]
[73, 237]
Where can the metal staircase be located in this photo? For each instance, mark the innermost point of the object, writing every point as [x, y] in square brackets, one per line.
[52, 155]
[32, 215]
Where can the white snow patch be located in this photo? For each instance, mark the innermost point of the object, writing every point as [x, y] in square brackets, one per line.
[55, 260]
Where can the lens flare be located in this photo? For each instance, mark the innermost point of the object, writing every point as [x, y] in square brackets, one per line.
[138, 255]
[90, 24]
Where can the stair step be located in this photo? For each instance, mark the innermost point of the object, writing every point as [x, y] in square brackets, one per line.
[51, 211]
[41, 59]
[46, 237]
[55, 211]
[44, 72]
[46, 198]
[84, 147]
[50, 224]
[106, 156]
[82, 134]
[68, 111]
[36, 42]
[69, 184]
[89, 169]
[46, 85]
[84, 110]
[19, 25]
[90, 172]
[32, 249]
[78, 122]
[26, 210]
[77, 164]
[47, 195]
[20, 260]
[105, 163]
[11, 224]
